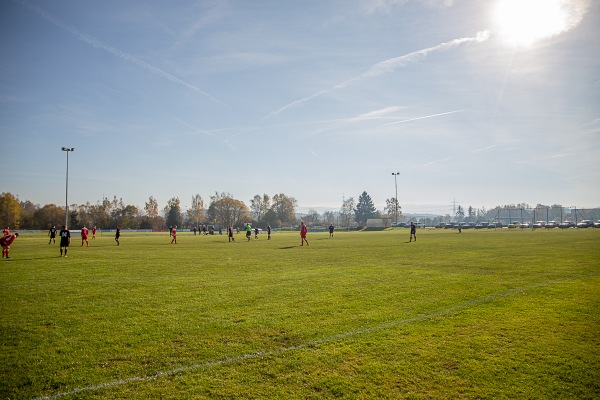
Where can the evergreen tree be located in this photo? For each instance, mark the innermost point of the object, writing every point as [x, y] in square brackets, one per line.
[364, 209]
[173, 212]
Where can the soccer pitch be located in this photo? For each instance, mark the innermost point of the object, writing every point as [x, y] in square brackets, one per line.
[482, 314]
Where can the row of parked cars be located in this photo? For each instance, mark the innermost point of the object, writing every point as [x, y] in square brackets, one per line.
[513, 225]
[554, 224]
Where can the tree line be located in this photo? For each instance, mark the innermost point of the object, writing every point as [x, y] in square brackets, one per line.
[224, 209]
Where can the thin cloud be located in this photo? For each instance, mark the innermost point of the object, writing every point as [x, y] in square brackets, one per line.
[371, 115]
[333, 124]
[445, 159]
[387, 66]
[483, 148]
[424, 117]
[314, 153]
[430, 163]
[114, 51]
[203, 131]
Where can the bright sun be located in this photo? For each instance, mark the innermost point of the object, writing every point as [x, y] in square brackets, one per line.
[524, 22]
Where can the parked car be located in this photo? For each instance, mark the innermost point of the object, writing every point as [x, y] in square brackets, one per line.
[586, 223]
[525, 225]
[597, 224]
[566, 224]
[552, 224]
[513, 225]
[539, 224]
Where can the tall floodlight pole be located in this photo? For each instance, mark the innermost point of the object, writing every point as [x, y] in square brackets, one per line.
[396, 199]
[67, 149]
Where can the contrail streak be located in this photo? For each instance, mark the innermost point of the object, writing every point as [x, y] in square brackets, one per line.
[424, 117]
[388, 66]
[113, 50]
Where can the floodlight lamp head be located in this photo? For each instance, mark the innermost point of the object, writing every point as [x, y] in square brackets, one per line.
[68, 148]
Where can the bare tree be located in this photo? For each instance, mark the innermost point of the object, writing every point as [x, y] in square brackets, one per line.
[196, 212]
[151, 207]
[259, 206]
[312, 218]
[393, 209]
[347, 212]
[328, 217]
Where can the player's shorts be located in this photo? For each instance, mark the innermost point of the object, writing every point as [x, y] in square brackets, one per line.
[84, 237]
[64, 243]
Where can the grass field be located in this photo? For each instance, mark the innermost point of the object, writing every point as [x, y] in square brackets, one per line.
[482, 314]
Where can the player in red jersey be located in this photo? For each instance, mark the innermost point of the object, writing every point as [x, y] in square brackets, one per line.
[174, 234]
[94, 232]
[6, 231]
[5, 242]
[303, 232]
[84, 236]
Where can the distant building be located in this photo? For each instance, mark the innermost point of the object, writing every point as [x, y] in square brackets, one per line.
[380, 223]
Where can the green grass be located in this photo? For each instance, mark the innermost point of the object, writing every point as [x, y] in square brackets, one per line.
[482, 314]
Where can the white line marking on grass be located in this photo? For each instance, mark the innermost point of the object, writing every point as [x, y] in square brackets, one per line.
[328, 339]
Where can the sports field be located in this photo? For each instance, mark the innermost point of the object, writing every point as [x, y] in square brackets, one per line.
[483, 314]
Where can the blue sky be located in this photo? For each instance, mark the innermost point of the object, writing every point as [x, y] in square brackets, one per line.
[319, 100]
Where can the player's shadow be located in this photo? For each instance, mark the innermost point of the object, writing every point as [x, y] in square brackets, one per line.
[33, 258]
[288, 247]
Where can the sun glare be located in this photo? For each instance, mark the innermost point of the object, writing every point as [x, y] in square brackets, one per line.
[524, 22]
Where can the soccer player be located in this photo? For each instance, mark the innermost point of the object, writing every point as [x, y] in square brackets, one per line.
[174, 234]
[268, 232]
[5, 242]
[230, 233]
[6, 231]
[256, 233]
[331, 230]
[84, 236]
[118, 235]
[413, 232]
[248, 232]
[65, 240]
[52, 234]
[94, 232]
[303, 232]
